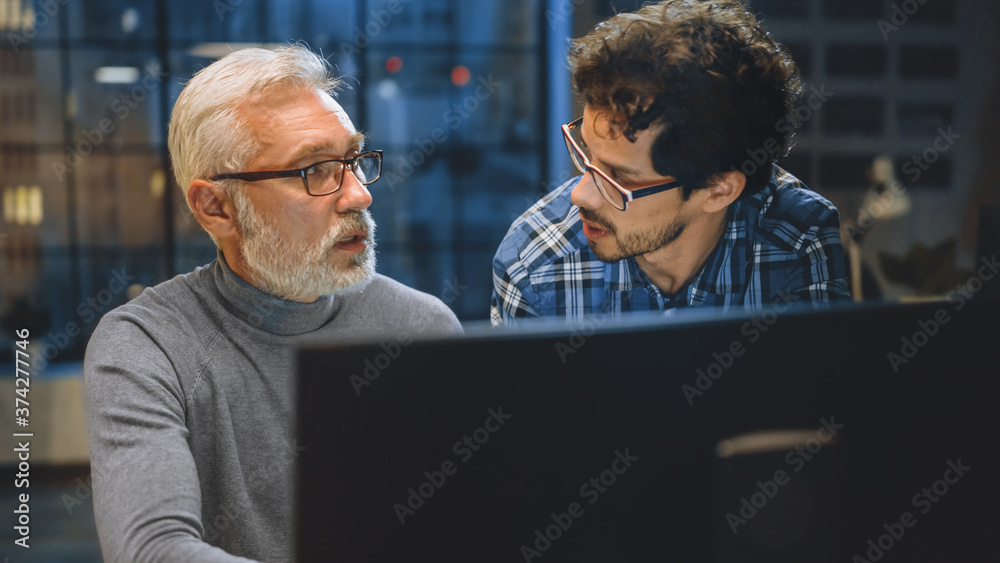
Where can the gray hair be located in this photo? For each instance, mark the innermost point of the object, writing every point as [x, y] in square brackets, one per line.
[207, 134]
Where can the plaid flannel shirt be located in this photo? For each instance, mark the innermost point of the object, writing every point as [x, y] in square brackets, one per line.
[781, 244]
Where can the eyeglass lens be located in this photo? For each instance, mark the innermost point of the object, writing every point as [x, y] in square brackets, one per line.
[610, 193]
[327, 177]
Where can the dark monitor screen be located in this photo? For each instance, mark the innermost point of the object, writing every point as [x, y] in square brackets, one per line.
[859, 434]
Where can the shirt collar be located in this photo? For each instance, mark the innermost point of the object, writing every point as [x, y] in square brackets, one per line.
[265, 311]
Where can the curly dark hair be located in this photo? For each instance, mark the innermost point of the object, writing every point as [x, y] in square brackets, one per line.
[707, 71]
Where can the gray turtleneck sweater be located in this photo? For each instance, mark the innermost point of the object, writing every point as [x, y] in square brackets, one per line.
[190, 391]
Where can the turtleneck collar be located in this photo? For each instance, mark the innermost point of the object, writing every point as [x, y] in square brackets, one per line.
[265, 311]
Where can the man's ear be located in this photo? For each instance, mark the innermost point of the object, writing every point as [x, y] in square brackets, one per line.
[724, 188]
[212, 208]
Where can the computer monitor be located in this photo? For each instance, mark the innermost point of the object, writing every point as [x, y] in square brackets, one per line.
[857, 434]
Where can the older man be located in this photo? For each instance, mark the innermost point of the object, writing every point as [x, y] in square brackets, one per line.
[190, 386]
[688, 105]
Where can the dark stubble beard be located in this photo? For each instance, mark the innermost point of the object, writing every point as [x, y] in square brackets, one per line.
[634, 243]
[298, 270]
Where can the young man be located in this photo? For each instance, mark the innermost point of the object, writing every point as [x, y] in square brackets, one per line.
[190, 386]
[680, 96]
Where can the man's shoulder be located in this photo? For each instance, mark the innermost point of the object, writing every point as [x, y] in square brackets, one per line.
[168, 296]
[385, 300]
[548, 231]
[786, 213]
[788, 198]
[165, 307]
[163, 324]
[387, 293]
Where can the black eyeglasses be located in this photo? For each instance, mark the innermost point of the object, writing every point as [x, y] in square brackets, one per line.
[610, 189]
[322, 178]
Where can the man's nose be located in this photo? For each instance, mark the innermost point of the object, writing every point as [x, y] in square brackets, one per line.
[586, 194]
[353, 194]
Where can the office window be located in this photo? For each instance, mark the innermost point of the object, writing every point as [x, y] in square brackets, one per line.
[924, 118]
[781, 9]
[450, 90]
[856, 115]
[879, 91]
[851, 10]
[863, 61]
[928, 62]
[845, 171]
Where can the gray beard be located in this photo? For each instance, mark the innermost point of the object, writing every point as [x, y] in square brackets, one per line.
[298, 270]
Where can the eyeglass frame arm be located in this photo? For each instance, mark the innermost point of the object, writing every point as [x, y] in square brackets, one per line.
[297, 172]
